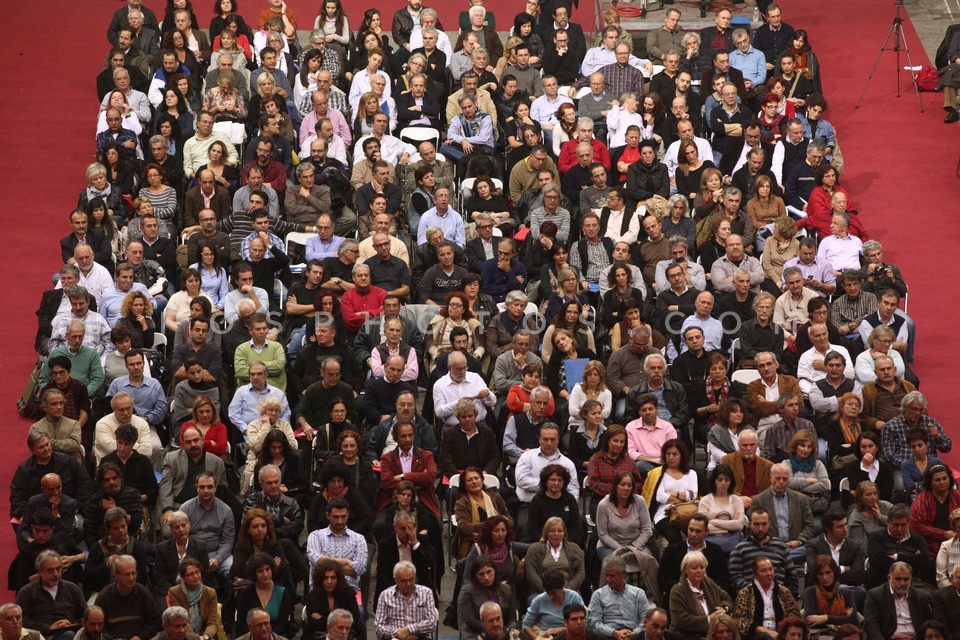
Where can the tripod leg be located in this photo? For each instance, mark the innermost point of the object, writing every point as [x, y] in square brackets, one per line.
[913, 75]
[883, 48]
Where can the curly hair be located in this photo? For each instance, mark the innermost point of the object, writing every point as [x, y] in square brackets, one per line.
[550, 470]
[243, 536]
[128, 302]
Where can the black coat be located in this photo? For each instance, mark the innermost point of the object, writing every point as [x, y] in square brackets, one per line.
[644, 182]
[26, 481]
[913, 551]
[167, 564]
[430, 109]
[388, 555]
[880, 612]
[49, 305]
[669, 573]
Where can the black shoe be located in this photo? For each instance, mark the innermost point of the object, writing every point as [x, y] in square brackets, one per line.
[953, 116]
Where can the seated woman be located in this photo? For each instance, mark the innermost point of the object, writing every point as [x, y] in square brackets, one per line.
[915, 467]
[713, 247]
[198, 599]
[99, 218]
[487, 198]
[518, 398]
[554, 552]
[163, 197]
[671, 483]
[544, 617]
[329, 590]
[879, 344]
[820, 206]
[474, 505]
[843, 430]
[630, 316]
[204, 417]
[779, 248]
[869, 466]
[454, 313]
[335, 482]
[818, 311]
[362, 476]
[176, 550]
[263, 592]
[226, 175]
[570, 317]
[611, 458]
[730, 417]
[258, 535]
[565, 348]
[690, 169]
[949, 553]
[553, 501]
[481, 305]
[99, 187]
[121, 170]
[568, 289]
[809, 474]
[585, 440]
[269, 409]
[325, 436]
[931, 509]
[623, 518]
[495, 540]
[722, 625]
[215, 281]
[128, 116]
[421, 200]
[708, 200]
[276, 450]
[696, 599]
[827, 604]
[792, 627]
[136, 314]
[723, 508]
[678, 221]
[592, 387]
[622, 291]
[868, 515]
[178, 307]
[484, 585]
[765, 207]
[750, 610]
[547, 257]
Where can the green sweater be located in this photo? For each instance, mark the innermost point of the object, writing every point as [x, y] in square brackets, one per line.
[85, 367]
[272, 355]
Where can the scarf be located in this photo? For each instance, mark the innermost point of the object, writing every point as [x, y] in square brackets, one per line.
[831, 602]
[802, 466]
[193, 599]
[497, 554]
[330, 495]
[850, 432]
[92, 192]
[719, 436]
[716, 397]
[487, 506]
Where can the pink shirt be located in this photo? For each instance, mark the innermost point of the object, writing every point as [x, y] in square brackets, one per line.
[647, 441]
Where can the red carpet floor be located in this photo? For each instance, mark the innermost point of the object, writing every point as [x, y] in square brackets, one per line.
[901, 167]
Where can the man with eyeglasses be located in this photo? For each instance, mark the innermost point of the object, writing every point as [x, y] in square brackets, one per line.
[226, 69]
[206, 195]
[328, 102]
[483, 247]
[209, 234]
[392, 149]
[338, 271]
[801, 181]
[763, 394]
[503, 273]
[329, 59]
[387, 271]
[117, 133]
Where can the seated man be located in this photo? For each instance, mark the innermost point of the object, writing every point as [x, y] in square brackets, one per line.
[388, 271]
[104, 437]
[790, 310]
[443, 277]
[181, 470]
[362, 303]
[460, 384]
[850, 557]
[913, 416]
[760, 544]
[763, 394]
[777, 437]
[112, 492]
[62, 508]
[408, 462]
[694, 275]
[670, 572]
[647, 434]
[149, 400]
[96, 330]
[380, 440]
[392, 149]
[896, 543]
[211, 523]
[811, 366]
[44, 460]
[42, 537]
[129, 608]
[407, 609]
[532, 461]
[64, 432]
[504, 272]
[313, 409]
[380, 394]
[471, 132]
[55, 616]
[508, 368]
[898, 605]
[339, 543]
[791, 518]
[404, 542]
[260, 349]
[243, 406]
[617, 608]
[379, 183]
[307, 368]
[751, 473]
[721, 275]
[888, 314]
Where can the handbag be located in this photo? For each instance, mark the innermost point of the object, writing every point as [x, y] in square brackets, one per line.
[682, 512]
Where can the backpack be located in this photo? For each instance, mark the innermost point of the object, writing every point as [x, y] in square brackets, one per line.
[927, 78]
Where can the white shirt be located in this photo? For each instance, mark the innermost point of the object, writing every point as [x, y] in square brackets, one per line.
[335, 148]
[96, 282]
[391, 148]
[447, 392]
[843, 253]
[598, 57]
[443, 43]
[704, 150]
[809, 376]
[528, 473]
[769, 615]
[614, 223]
[544, 110]
[771, 393]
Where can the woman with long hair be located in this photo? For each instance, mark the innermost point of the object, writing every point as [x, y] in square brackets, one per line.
[869, 513]
[723, 627]
[276, 450]
[781, 247]
[266, 89]
[162, 196]
[98, 215]
[725, 416]
[521, 119]
[203, 418]
[724, 509]
[931, 509]
[568, 289]
[843, 431]
[690, 169]
[481, 305]
[484, 585]
[169, 127]
[809, 473]
[611, 458]
[332, 21]
[570, 319]
[329, 590]
[678, 222]
[257, 534]
[623, 518]
[136, 314]
[474, 505]
[334, 483]
[552, 257]
[674, 481]
[654, 114]
[806, 59]
[121, 172]
[176, 41]
[348, 446]
[820, 204]
[765, 206]
[226, 175]
[175, 105]
[914, 468]
[367, 107]
[270, 410]
[869, 466]
[226, 17]
[565, 347]
[620, 280]
[326, 435]
[178, 307]
[554, 501]
[826, 603]
[709, 199]
[714, 245]
[454, 313]
[772, 121]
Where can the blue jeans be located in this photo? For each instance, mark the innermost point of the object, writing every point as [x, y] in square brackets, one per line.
[296, 342]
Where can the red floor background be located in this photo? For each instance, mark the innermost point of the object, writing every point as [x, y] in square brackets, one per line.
[901, 165]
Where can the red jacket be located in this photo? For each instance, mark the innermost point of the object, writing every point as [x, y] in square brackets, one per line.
[923, 511]
[423, 473]
[356, 308]
[820, 214]
[568, 154]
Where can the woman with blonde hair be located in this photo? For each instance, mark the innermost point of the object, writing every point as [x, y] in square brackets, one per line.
[809, 475]
[779, 248]
[696, 600]
[203, 418]
[136, 314]
[592, 387]
[270, 410]
[367, 107]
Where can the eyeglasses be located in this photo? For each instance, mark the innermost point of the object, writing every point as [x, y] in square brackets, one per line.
[382, 244]
[484, 226]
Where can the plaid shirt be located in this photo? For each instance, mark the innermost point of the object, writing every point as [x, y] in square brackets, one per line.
[893, 439]
[602, 470]
[418, 614]
[325, 544]
[626, 78]
[844, 310]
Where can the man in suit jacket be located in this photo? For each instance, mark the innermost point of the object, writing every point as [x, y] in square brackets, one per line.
[176, 481]
[720, 29]
[756, 165]
[745, 460]
[721, 67]
[669, 573]
[882, 613]
[388, 554]
[427, 103]
[468, 445]
[52, 300]
[40, 608]
[577, 48]
[897, 544]
[851, 556]
[121, 18]
[195, 200]
[422, 469]
[764, 409]
[945, 603]
[82, 232]
[798, 517]
[478, 248]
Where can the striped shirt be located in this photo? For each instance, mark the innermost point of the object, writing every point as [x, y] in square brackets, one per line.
[741, 562]
[418, 612]
[323, 543]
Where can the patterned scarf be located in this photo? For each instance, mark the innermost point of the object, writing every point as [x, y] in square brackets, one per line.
[806, 465]
[716, 396]
[497, 554]
[831, 602]
[193, 599]
[850, 432]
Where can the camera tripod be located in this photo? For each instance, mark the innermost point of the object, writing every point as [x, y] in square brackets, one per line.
[899, 42]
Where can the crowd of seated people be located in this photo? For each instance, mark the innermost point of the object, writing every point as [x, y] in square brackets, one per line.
[291, 335]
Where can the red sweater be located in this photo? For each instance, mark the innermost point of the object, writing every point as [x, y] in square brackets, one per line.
[820, 214]
[356, 308]
[922, 513]
[568, 154]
